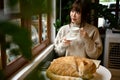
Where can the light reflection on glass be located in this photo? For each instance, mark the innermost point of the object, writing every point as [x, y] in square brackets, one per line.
[14, 9]
[44, 26]
[35, 30]
[12, 50]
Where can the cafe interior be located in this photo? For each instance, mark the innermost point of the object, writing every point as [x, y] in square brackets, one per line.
[28, 29]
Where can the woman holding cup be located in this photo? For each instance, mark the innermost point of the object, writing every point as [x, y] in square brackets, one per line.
[79, 38]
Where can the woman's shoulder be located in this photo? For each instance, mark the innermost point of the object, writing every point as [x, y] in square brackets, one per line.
[91, 27]
[64, 27]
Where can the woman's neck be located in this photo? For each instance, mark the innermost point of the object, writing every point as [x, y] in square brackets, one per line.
[75, 25]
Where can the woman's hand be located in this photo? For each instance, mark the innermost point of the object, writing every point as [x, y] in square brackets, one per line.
[66, 42]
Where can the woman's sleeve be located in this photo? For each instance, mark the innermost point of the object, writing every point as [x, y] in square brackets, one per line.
[58, 44]
[93, 45]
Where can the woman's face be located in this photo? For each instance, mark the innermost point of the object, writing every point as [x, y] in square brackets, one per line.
[75, 17]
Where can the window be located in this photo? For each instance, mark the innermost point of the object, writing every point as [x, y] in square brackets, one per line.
[39, 27]
[114, 7]
[42, 27]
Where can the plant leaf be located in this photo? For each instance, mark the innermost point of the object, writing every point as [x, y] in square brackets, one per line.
[20, 36]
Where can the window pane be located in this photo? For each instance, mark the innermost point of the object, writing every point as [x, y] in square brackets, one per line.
[14, 9]
[44, 26]
[13, 49]
[16, 21]
[34, 30]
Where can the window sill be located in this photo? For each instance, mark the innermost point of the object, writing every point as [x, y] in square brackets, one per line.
[29, 67]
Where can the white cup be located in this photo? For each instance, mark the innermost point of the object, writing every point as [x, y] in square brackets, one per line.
[74, 30]
[72, 35]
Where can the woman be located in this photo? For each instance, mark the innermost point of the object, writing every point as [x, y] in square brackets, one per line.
[88, 43]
